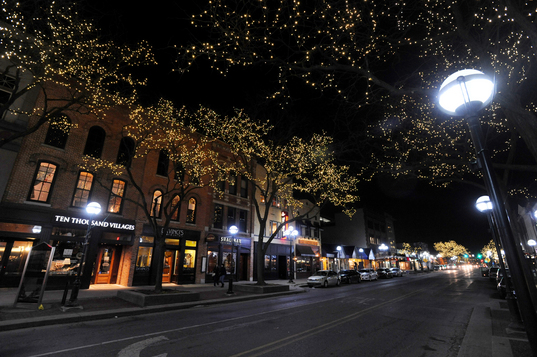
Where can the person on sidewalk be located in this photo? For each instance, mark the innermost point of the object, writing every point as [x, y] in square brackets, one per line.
[222, 274]
[216, 275]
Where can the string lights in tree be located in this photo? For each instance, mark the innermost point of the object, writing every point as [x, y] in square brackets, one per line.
[391, 57]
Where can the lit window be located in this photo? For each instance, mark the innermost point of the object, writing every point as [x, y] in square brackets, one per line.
[115, 202]
[43, 182]
[156, 203]
[191, 211]
[175, 202]
[82, 190]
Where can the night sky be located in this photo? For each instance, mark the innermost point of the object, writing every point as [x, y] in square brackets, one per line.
[421, 213]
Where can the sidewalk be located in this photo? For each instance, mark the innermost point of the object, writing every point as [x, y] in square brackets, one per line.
[489, 331]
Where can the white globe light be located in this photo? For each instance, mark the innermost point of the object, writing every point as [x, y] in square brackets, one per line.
[483, 204]
[233, 229]
[93, 208]
[465, 90]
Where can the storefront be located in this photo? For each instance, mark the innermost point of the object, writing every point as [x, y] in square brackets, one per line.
[109, 242]
[234, 253]
[180, 256]
[307, 257]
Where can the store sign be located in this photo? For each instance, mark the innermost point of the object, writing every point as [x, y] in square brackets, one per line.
[94, 223]
[172, 233]
[229, 240]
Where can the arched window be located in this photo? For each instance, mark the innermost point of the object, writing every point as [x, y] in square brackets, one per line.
[156, 203]
[43, 182]
[175, 202]
[163, 163]
[125, 152]
[95, 142]
[58, 131]
[117, 192]
[191, 211]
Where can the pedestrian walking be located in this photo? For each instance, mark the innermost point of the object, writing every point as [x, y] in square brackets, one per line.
[223, 273]
[216, 275]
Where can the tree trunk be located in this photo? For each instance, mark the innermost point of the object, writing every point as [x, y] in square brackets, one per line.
[260, 262]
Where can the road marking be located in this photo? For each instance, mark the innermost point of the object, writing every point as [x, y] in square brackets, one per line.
[135, 349]
[275, 345]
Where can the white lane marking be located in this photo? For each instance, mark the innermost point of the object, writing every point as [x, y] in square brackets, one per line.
[135, 349]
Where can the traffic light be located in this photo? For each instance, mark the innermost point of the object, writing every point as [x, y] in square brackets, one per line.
[479, 255]
[466, 255]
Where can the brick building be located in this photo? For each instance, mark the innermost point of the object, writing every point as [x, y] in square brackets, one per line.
[46, 193]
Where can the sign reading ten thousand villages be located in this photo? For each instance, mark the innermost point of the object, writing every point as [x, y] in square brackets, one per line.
[95, 223]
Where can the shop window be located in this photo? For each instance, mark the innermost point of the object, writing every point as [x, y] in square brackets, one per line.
[189, 260]
[212, 261]
[175, 204]
[156, 203]
[125, 152]
[218, 218]
[82, 190]
[163, 163]
[191, 211]
[274, 263]
[169, 241]
[233, 185]
[43, 182]
[115, 201]
[231, 216]
[58, 131]
[95, 142]
[243, 215]
[143, 261]
[267, 262]
[244, 187]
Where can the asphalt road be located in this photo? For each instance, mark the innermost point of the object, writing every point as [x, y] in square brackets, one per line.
[416, 315]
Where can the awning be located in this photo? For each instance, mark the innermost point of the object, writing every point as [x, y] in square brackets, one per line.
[304, 251]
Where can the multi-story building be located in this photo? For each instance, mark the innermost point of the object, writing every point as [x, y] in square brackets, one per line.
[365, 240]
[46, 194]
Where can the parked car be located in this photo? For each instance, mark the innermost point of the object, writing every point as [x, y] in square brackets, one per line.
[493, 272]
[484, 272]
[397, 272]
[384, 273]
[350, 276]
[324, 278]
[368, 274]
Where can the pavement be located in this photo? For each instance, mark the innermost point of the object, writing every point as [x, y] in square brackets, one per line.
[490, 331]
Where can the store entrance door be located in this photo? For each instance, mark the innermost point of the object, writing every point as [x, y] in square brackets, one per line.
[105, 264]
[13, 256]
[167, 270]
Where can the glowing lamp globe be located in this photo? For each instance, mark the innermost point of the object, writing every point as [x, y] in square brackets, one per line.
[93, 208]
[465, 92]
[483, 204]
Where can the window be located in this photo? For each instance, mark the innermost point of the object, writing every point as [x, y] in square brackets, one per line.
[231, 218]
[82, 190]
[163, 163]
[244, 187]
[7, 87]
[191, 211]
[95, 142]
[242, 220]
[58, 131]
[115, 201]
[233, 185]
[218, 219]
[156, 203]
[125, 152]
[175, 203]
[43, 182]
[273, 227]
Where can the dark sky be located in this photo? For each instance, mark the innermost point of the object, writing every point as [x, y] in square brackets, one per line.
[421, 213]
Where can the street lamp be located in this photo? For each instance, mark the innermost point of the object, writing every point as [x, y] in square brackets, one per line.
[338, 257]
[464, 93]
[232, 230]
[291, 233]
[533, 244]
[93, 209]
[383, 248]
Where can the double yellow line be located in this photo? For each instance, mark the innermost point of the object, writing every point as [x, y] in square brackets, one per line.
[272, 346]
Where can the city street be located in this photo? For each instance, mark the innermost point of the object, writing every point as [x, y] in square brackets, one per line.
[423, 314]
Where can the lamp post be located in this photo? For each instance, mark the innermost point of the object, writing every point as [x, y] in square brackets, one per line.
[232, 230]
[93, 209]
[483, 204]
[338, 257]
[383, 248]
[464, 93]
[291, 233]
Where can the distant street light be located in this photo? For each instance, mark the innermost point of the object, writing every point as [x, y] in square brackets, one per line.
[232, 230]
[464, 93]
[93, 209]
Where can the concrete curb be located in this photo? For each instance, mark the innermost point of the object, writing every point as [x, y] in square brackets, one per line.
[100, 315]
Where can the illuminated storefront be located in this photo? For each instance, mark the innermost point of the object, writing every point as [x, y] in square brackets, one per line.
[180, 256]
[219, 251]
